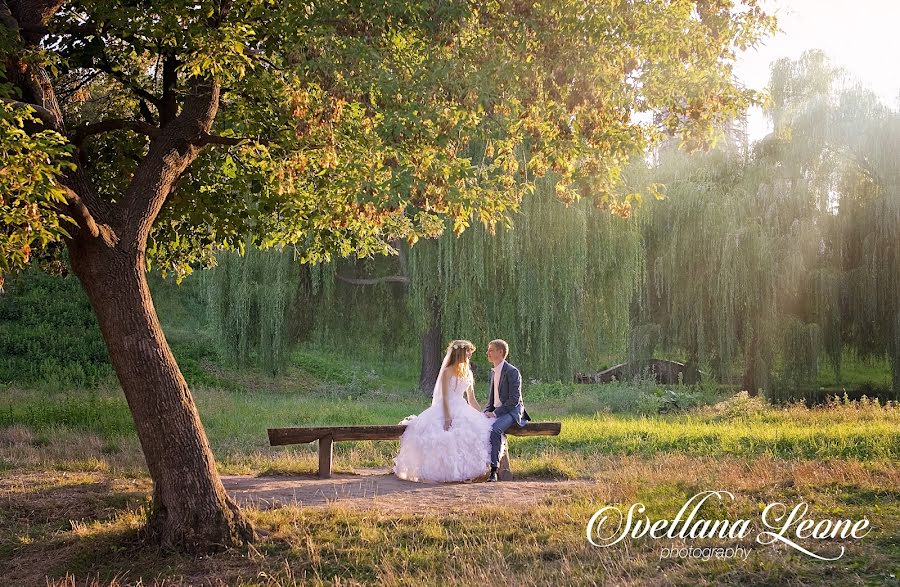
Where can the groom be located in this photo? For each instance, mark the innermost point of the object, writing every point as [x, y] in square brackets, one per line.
[505, 399]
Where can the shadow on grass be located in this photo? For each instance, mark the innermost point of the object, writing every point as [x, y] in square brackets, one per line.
[81, 525]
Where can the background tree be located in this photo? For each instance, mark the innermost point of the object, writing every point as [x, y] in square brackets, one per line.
[555, 286]
[771, 260]
[250, 305]
[333, 128]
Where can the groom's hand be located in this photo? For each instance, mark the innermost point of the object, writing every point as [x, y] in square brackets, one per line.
[447, 424]
[490, 415]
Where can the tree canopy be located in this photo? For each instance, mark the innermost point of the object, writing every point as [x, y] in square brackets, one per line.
[342, 126]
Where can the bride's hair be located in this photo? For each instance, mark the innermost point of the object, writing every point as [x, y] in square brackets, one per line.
[459, 350]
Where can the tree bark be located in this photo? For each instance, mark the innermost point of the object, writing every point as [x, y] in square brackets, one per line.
[431, 349]
[895, 373]
[190, 510]
[692, 367]
[756, 369]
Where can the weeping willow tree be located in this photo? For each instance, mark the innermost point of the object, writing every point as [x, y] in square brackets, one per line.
[251, 298]
[838, 143]
[733, 259]
[359, 307]
[556, 287]
[866, 231]
[710, 269]
[769, 263]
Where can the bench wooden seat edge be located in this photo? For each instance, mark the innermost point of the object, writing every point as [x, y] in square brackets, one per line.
[327, 435]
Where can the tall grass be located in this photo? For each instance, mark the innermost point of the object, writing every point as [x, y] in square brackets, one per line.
[103, 413]
[236, 424]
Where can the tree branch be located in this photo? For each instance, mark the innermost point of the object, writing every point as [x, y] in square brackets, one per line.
[144, 109]
[209, 139]
[82, 215]
[46, 116]
[168, 106]
[375, 280]
[83, 30]
[81, 199]
[106, 66]
[79, 134]
[69, 86]
[169, 154]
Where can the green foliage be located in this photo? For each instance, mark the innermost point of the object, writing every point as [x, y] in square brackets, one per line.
[372, 323]
[777, 259]
[323, 367]
[30, 192]
[49, 338]
[250, 298]
[48, 334]
[640, 396]
[555, 287]
[707, 274]
[99, 413]
[358, 124]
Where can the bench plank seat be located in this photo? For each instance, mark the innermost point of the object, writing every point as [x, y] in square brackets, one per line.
[327, 435]
[283, 436]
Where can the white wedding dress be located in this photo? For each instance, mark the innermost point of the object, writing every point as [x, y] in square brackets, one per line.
[430, 453]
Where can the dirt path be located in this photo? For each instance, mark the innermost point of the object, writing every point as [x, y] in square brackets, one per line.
[77, 496]
[379, 489]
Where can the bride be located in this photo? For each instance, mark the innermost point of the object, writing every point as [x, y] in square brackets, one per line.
[450, 441]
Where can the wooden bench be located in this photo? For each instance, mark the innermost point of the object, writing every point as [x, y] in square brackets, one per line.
[327, 435]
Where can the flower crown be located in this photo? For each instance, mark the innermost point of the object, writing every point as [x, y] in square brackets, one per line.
[459, 345]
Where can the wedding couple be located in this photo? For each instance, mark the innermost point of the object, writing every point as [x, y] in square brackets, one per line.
[454, 440]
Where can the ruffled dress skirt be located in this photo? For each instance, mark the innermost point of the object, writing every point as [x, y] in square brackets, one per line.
[430, 453]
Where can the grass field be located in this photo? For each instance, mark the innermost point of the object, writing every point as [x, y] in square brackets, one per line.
[75, 491]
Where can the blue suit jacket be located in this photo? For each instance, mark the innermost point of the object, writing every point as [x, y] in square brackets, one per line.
[510, 391]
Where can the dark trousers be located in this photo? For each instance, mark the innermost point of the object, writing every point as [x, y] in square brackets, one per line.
[500, 425]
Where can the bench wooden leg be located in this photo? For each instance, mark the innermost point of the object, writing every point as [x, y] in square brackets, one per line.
[503, 471]
[326, 451]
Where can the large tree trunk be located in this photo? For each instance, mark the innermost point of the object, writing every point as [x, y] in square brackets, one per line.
[191, 510]
[431, 349]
